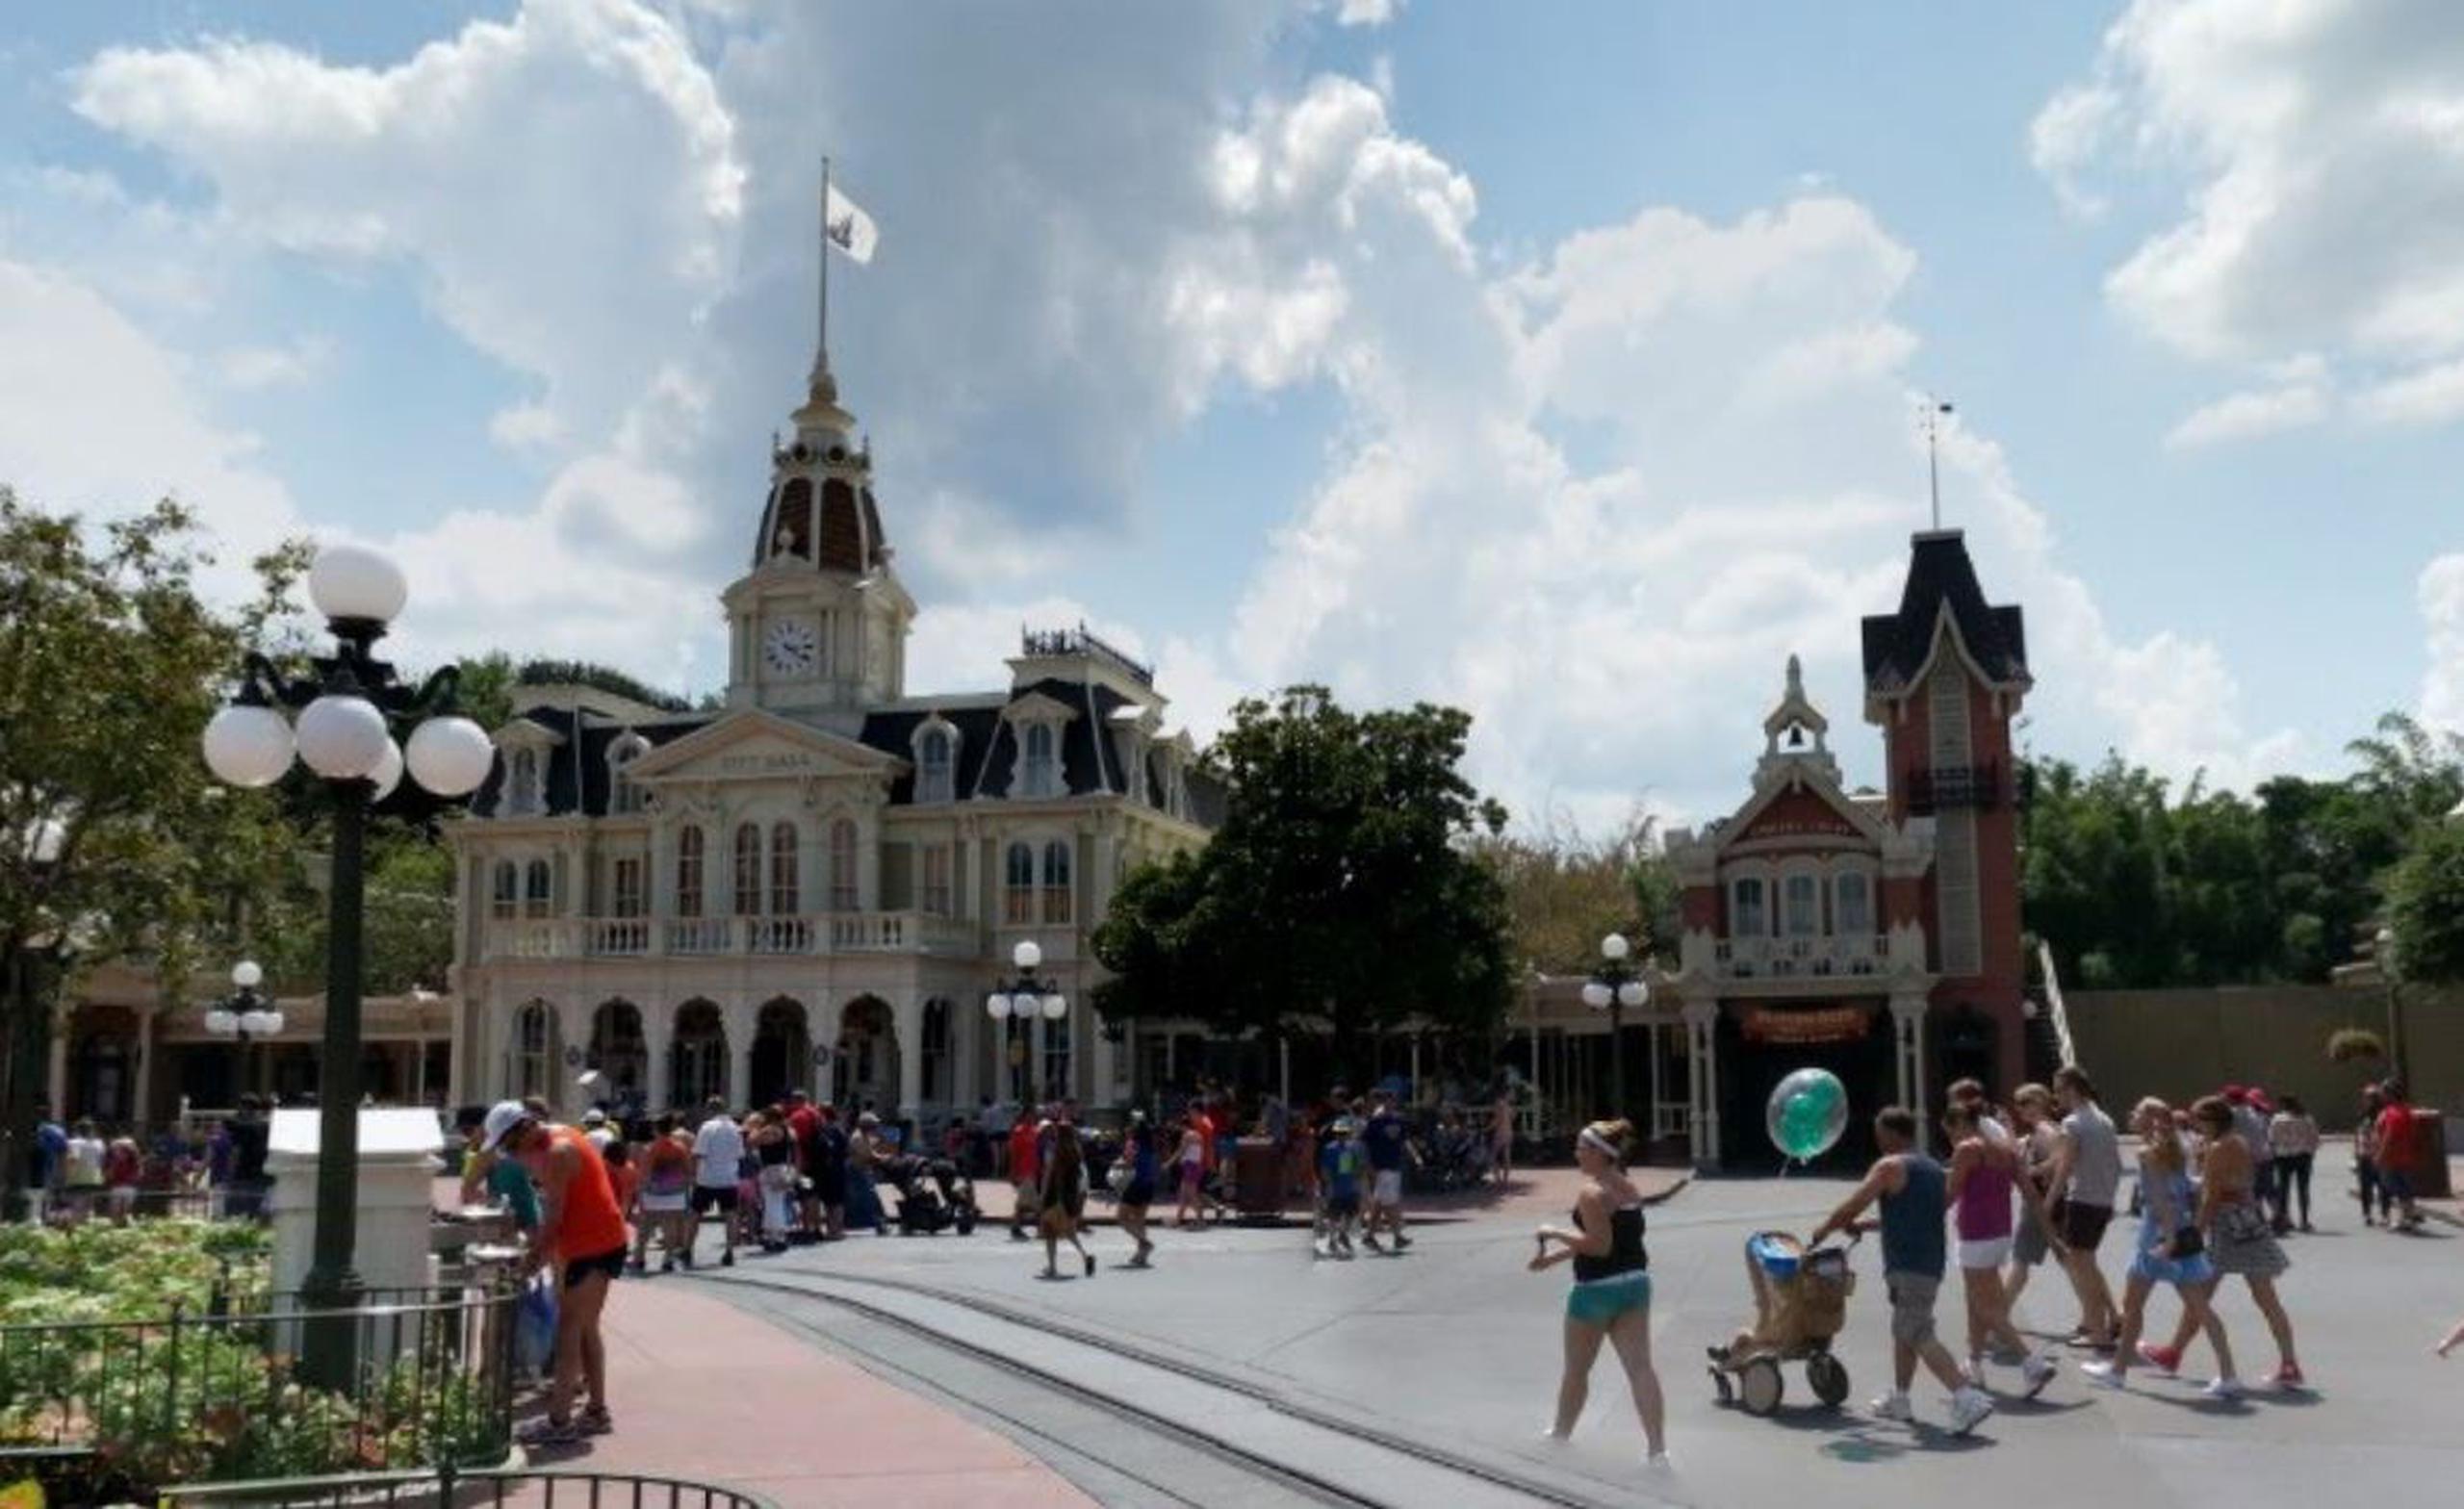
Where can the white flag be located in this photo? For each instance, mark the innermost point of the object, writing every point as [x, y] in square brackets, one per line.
[848, 227]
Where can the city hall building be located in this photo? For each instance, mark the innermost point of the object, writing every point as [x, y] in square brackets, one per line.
[817, 886]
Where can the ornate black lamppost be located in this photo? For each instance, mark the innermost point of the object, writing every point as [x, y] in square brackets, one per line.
[244, 1013]
[1617, 986]
[1023, 998]
[346, 714]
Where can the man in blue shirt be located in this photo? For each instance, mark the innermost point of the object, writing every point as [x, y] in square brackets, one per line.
[51, 1142]
[1911, 1188]
[1386, 1143]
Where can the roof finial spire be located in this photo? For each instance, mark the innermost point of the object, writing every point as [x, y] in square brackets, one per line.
[1932, 411]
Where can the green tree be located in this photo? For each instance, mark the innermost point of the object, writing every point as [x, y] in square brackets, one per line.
[2425, 906]
[1341, 886]
[1565, 891]
[112, 835]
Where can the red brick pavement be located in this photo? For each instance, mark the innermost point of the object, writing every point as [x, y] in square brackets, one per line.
[701, 1390]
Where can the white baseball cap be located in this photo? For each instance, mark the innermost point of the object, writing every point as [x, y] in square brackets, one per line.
[503, 1117]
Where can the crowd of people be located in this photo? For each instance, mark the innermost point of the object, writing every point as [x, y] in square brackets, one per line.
[84, 1169]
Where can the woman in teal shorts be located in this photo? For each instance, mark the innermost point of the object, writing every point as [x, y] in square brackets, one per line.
[1611, 1299]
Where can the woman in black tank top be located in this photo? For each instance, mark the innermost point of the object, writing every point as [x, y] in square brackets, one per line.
[1612, 1298]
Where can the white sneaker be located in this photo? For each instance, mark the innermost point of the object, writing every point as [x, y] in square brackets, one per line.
[1894, 1407]
[1968, 1409]
[1659, 1462]
[2103, 1374]
[2226, 1388]
[2038, 1371]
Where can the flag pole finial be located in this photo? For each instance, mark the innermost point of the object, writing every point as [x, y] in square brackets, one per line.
[1934, 409]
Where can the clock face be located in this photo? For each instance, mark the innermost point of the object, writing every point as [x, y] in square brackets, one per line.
[791, 648]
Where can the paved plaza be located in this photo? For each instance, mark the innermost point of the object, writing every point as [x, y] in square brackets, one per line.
[1454, 1346]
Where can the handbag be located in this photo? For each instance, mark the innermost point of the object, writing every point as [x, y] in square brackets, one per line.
[2187, 1242]
[1116, 1178]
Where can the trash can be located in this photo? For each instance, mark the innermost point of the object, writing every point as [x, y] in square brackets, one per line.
[1257, 1179]
[2429, 1155]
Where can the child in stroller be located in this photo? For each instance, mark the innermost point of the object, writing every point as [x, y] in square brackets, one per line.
[1800, 1303]
[933, 1193]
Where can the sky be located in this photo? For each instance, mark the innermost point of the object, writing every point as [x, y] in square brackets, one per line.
[1559, 362]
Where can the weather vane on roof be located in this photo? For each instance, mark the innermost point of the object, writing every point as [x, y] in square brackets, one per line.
[1930, 413]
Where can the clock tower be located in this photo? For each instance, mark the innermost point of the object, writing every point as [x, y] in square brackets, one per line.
[817, 629]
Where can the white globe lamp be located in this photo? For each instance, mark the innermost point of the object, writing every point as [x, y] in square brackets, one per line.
[261, 1024]
[1634, 993]
[247, 974]
[1614, 948]
[221, 1023]
[353, 582]
[343, 737]
[998, 1007]
[450, 756]
[1027, 955]
[1055, 1008]
[247, 746]
[1596, 995]
[388, 773]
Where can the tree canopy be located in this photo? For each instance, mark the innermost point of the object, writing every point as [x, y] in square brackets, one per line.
[1341, 888]
[2133, 887]
[2425, 906]
[1565, 891]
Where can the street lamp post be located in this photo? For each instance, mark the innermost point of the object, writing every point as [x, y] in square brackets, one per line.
[346, 712]
[1617, 986]
[244, 1013]
[1023, 998]
[2386, 957]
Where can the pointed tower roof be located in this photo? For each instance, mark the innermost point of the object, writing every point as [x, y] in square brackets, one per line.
[1942, 590]
[1795, 736]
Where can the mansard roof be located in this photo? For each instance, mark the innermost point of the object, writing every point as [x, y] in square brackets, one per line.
[576, 777]
[1941, 584]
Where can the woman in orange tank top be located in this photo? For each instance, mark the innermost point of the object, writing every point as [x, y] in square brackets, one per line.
[583, 1234]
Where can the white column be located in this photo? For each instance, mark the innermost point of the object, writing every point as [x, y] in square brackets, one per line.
[739, 1021]
[966, 1051]
[1702, 1018]
[907, 1018]
[1105, 1090]
[658, 1037]
[573, 1030]
[1908, 1036]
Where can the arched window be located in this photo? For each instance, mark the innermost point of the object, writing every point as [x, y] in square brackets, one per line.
[1056, 881]
[1802, 895]
[748, 870]
[697, 1056]
[1747, 916]
[538, 888]
[688, 872]
[504, 891]
[843, 865]
[787, 895]
[622, 796]
[1018, 887]
[534, 1050]
[1035, 773]
[933, 783]
[522, 783]
[1852, 904]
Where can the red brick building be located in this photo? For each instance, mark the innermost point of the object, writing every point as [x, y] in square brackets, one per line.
[1872, 933]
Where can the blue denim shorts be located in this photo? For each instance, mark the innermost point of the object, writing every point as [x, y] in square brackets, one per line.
[1601, 1301]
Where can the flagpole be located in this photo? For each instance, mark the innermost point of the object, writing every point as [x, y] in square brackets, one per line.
[821, 345]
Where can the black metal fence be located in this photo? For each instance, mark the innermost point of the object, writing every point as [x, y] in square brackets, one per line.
[526, 1487]
[191, 1397]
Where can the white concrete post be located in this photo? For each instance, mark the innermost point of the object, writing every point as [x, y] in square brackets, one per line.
[1908, 1032]
[908, 1021]
[1702, 1018]
[658, 1035]
[739, 1024]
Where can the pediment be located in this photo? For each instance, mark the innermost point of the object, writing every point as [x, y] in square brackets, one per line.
[754, 745]
[1805, 808]
[1038, 707]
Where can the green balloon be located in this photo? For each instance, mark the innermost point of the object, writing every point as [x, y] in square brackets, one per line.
[1808, 1112]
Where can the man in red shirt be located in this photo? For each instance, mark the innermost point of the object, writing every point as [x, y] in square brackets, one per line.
[2398, 1150]
[1025, 1173]
[804, 1128]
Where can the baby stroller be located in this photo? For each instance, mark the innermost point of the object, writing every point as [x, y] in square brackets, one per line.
[1800, 1303]
[933, 1195]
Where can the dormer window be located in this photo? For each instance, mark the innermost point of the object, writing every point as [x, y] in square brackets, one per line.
[935, 762]
[624, 797]
[1038, 770]
[521, 797]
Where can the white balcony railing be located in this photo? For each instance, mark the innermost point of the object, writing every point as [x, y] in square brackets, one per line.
[1812, 957]
[689, 937]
